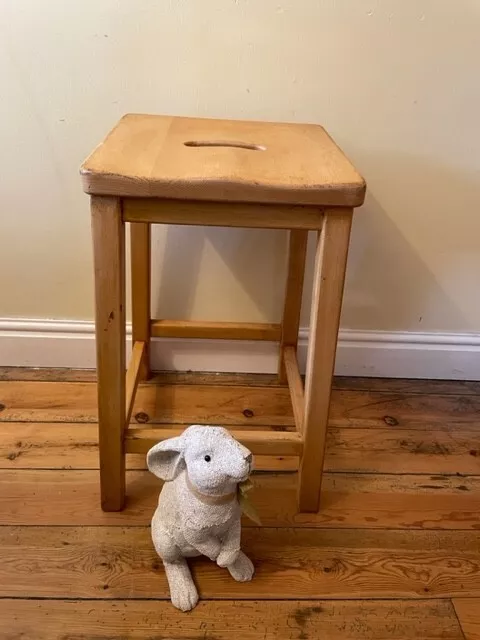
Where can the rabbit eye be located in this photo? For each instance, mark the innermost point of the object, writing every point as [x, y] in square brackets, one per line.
[207, 458]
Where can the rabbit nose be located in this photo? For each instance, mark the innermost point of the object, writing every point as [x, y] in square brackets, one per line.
[249, 458]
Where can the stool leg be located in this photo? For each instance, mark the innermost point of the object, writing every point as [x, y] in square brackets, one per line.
[109, 261]
[141, 269]
[330, 264]
[293, 295]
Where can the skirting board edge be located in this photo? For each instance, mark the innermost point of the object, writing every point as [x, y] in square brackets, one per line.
[53, 343]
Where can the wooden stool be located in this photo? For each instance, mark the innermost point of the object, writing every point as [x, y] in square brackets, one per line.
[167, 170]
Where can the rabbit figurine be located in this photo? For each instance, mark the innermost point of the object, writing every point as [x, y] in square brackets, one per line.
[198, 510]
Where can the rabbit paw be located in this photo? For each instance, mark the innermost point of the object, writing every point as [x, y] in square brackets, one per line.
[227, 557]
[185, 598]
[242, 569]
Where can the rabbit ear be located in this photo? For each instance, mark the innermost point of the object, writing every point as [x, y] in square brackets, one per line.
[166, 459]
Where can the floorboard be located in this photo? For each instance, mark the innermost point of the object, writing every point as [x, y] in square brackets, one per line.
[360, 501]
[468, 612]
[254, 620]
[443, 387]
[60, 445]
[119, 562]
[225, 404]
[74, 445]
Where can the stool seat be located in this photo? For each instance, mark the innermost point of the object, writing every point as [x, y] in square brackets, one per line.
[222, 160]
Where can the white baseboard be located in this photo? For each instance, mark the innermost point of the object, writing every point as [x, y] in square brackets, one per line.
[52, 343]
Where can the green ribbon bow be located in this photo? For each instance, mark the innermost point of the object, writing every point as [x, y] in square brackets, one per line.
[245, 505]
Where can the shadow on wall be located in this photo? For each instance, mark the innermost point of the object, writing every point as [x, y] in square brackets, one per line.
[393, 280]
[414, 258]
[255, 269]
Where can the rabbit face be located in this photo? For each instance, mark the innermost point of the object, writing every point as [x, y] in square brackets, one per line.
[214, 460]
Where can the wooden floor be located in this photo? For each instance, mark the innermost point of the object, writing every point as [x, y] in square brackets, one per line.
[394, 552]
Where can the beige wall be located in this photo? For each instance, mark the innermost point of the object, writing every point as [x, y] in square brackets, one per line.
[395, 81]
